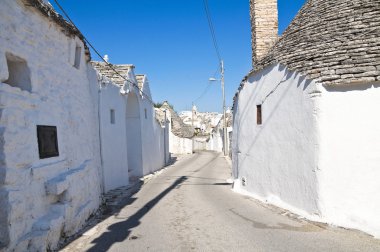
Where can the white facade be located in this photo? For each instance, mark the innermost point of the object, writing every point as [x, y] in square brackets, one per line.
[178, 145]
[113, 136]
[215, 142]
[45, 79]
[316, 152]
[350, 157]
[133, 142]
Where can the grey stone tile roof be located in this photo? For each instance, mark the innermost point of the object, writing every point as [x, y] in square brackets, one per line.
[335, 42]
[179, 128]
[160, 116]
[48, 11]
[106, 71]
[140, 80]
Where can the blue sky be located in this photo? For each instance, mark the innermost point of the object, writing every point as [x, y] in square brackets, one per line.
[169, 40]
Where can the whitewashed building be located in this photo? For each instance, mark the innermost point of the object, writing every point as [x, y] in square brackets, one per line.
[133, 142]
[180, 134]
[215, 141]
[306, 125]
[50, 163]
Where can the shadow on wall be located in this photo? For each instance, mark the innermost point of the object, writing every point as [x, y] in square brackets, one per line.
[352, 87]
[120, 231]
[253, 97]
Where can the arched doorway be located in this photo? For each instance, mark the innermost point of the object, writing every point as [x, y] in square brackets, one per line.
[134, 142]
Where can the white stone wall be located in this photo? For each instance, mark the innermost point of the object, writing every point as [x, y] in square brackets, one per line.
[135, 144]
[180, 145]
[216, 141]
[155, 147]
[155, 151]
[113, 137]
[278, 159]
[42, 199]
[317, 151]
[350, 157]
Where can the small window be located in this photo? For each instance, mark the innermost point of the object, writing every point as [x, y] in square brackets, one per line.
[19, 73]
[47, 141]
[112, 115]
[259, 115]
[146, 114]
[78, 52]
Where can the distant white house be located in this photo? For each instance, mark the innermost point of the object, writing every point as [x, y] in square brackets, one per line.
[133, 142]
[306, 125]
[180, 134]
[215, 141]
[50, 180]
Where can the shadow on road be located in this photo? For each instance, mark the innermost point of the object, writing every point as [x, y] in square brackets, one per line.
[120, 231]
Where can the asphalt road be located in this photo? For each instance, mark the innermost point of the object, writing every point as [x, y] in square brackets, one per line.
[191, 207]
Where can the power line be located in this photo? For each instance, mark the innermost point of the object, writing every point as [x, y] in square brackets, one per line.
[100, 56]
[203, 93]
[208, 86]
[211, 26]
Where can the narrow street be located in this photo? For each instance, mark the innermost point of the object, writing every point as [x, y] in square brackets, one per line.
[191, 207]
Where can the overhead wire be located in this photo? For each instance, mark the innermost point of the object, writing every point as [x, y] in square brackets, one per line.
[207, 87]
[211, 26]
[100, 56]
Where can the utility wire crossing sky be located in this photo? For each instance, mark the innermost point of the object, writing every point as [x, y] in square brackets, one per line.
[170, 42]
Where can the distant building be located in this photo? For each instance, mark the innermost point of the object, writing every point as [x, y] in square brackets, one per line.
[306, 125]
[216, 138]
[180, 134]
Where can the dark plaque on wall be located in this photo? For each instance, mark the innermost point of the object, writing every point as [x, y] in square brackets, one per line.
[47, 141]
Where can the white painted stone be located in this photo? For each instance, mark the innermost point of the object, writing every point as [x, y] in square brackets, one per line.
[350, 157]
[317, 151]
[113, 137]
[60, 96]
[135, 144]
[278, 158]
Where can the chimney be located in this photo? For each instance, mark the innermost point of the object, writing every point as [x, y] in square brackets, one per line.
[264, 27]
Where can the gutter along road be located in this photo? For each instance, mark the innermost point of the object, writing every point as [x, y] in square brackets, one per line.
[190, 207]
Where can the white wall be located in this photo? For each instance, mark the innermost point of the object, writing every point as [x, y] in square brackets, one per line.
[178, 145]
[136, 145]
[317, 151]
[134, 140]
[113, 137]
[154, 137]
[350, 157]
[42, 199]
[279, 158]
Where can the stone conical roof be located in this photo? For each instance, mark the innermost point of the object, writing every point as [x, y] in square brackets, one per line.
[179, 128]
[335, 42]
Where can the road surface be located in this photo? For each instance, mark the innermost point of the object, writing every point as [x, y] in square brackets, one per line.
[191, 207]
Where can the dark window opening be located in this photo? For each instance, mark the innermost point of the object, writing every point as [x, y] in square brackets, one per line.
[146, 114]
[112, 114]
[78, 51]
[19, 73]
[47, 141]
[259, 115]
